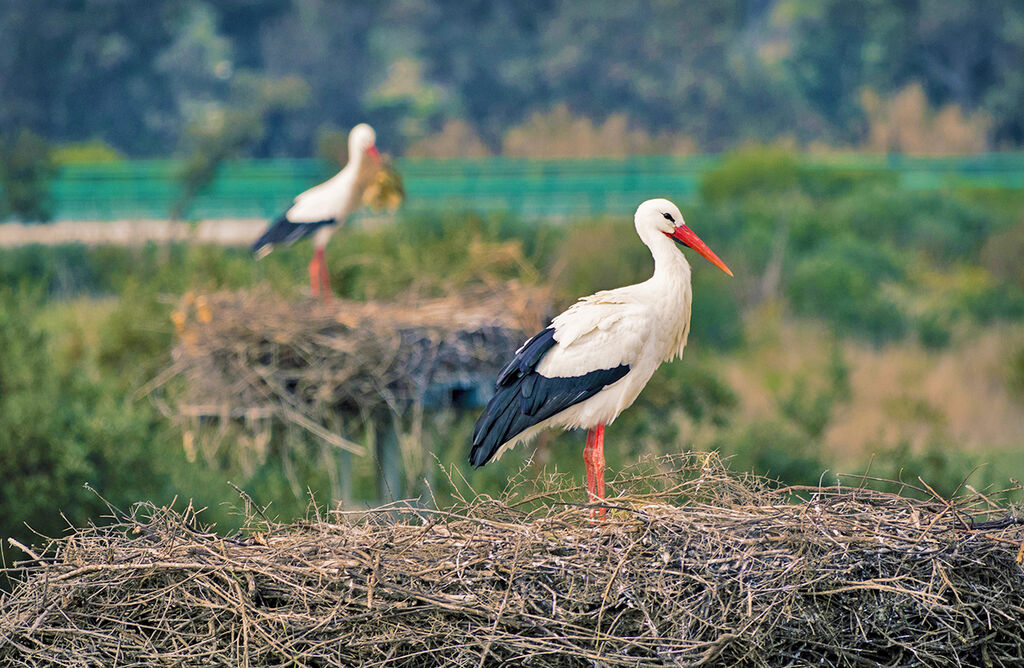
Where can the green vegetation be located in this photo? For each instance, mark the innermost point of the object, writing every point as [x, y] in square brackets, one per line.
[833, 272]
[26, 167]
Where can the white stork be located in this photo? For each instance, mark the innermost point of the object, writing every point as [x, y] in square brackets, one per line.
[322, 208]
[593, 360]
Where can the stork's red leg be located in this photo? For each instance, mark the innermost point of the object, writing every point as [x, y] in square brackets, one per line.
[593, 458]
[588, 452]
[325, 279]
[314, 271]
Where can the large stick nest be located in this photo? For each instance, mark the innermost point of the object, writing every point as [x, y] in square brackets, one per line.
[255, 357]
[694, 566]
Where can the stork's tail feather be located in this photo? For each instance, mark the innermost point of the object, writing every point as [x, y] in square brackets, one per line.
[283, 231]
[525, 398]
[529, 400]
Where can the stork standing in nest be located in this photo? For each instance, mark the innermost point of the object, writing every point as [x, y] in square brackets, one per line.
[593, 360]
[322, 208]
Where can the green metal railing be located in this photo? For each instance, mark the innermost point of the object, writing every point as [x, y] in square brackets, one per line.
[529, 188]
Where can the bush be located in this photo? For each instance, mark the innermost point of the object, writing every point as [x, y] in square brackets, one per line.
[943, 227]
[86, 152]
[433, 253]
[934, 331]
[775, 449]
[715, 321]
[944, 466]
[62, 431]
[750, 171]
[26, 168]
[842, 284]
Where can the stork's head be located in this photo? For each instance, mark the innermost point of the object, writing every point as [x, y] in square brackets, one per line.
[660, 216]
[362, 140]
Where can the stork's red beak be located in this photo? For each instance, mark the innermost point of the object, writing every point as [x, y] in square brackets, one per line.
[685, 236]
[374, 153]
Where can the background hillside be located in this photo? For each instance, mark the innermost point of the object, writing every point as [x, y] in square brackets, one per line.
[447, 77]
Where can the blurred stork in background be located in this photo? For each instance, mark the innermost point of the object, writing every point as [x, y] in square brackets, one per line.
[593, 360]
[321, 209]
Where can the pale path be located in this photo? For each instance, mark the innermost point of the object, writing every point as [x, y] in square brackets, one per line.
[222, 232]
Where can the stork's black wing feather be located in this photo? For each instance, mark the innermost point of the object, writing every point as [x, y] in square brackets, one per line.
[283, 231]
[524, 397]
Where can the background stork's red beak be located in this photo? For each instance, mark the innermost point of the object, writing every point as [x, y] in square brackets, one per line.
[685, 235]
[373, 153]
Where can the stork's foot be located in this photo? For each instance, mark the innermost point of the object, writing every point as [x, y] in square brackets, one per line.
[593, 458]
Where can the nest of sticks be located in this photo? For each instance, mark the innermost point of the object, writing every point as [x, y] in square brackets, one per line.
[694, 566]
[258, 359]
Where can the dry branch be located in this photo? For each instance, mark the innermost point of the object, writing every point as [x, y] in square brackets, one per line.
[696, 566]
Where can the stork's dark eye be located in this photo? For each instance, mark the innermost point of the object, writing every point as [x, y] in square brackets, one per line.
[668, 216]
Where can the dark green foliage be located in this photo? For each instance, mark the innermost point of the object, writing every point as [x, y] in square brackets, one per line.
[811, 409]
[842, 244]
[724, 72]
[432, 253]
[751, 171]
[942, 465]
[933, 331]
[993, 302]
[63, 430]
[56, 271]
[715, 318]
[843, 284]
[778, 450]
[135, 338]
[941, 226]
[26, 168]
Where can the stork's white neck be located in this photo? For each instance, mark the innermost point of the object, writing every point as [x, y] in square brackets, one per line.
[355, 158]
[670, 265]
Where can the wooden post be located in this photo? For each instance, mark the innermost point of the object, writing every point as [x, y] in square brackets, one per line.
[389, 464]
[345, 476]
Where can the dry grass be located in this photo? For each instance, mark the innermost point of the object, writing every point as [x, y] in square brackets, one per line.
[695, 566]
[560, 134]
[906, 123]
[899, 393]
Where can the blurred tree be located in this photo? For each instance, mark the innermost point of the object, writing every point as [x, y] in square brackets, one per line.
[327, 44]
[967, 54]
[26, 167]
[226, 132]
[137, 75]
[76, 69]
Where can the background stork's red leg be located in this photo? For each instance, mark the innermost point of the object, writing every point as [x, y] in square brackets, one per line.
[314, 271]
[593, 457]
[325, 278]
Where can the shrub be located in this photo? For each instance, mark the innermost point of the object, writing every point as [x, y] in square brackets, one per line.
[842, 284]
[61, 431]
[86, 152]
[749, 171]
[934, 331]
[26, 168]
[715, 321]
[775, 449]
